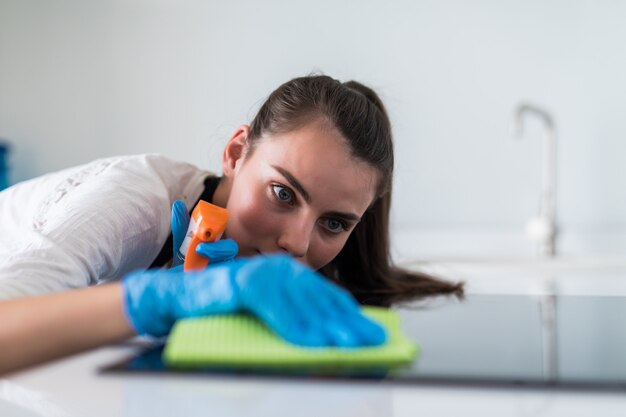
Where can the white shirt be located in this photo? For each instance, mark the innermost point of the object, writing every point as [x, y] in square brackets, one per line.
[90, 224]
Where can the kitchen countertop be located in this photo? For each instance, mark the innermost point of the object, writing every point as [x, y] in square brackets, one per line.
[75, 386]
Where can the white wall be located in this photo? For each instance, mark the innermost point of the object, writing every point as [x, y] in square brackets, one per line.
[86, 79]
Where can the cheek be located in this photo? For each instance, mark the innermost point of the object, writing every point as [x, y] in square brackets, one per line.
[250, 224]
[323, 251]
[255, 221]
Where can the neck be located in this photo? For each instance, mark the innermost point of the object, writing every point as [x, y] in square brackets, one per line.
[220, 197]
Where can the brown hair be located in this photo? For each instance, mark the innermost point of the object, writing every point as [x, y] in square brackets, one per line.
[363, 266]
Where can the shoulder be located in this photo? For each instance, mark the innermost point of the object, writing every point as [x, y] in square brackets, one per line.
[155, 175]
[146, 181]
[144, 174]
[127, 190]
[146, 165]
[96, 221]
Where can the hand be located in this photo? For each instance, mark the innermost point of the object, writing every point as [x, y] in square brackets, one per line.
[295, 302]
[220, 251]
[302, 306]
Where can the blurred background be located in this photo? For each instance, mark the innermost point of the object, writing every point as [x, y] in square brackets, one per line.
[81, 80]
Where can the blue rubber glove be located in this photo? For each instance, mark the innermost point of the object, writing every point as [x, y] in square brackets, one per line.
[295, 302]
[220, 251]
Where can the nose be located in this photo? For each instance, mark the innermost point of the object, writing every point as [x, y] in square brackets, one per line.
[295, 236]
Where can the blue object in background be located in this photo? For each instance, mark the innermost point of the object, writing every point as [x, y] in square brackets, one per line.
[4, 167]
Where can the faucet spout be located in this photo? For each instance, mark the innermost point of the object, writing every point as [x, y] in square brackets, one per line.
[542, 228]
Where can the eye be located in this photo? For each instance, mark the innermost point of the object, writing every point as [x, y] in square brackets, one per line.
[335, 226]
[282, 194]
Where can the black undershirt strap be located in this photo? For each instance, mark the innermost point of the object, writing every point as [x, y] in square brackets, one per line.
[166, 253]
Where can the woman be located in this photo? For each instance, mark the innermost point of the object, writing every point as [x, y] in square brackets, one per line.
[308, 188]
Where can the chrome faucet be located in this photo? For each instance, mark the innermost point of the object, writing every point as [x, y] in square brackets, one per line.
[542, 227]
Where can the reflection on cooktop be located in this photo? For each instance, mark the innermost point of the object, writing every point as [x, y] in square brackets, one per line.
[507, 340]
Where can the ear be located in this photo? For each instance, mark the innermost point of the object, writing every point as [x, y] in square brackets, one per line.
[235, 151]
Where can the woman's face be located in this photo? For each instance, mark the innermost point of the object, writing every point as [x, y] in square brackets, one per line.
[300, 192]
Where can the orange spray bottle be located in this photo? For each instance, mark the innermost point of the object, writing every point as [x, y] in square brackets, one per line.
[207, 224]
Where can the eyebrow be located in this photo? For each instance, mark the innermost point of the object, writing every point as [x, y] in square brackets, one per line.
[294, 182]
[307, 197]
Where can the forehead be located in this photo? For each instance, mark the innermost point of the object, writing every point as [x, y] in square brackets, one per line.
[320, 159]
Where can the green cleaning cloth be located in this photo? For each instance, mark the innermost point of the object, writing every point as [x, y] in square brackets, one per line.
[242, 340]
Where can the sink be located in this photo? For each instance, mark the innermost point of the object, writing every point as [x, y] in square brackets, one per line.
[568, 275]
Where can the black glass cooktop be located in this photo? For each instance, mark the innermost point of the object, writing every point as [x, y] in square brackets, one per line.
[571, 342]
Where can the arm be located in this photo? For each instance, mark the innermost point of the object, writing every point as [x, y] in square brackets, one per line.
[295, 302]
[38, 329]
